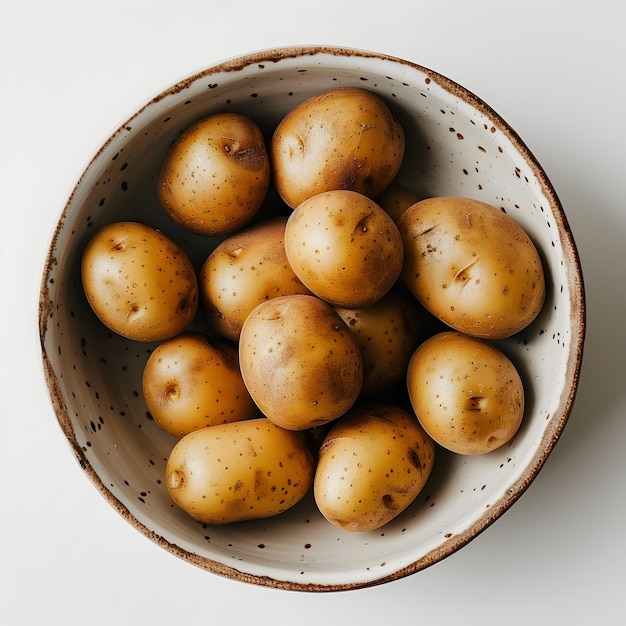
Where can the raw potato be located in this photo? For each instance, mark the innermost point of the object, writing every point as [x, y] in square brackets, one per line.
[239, 471]
[299, 361]
[344, 248]
[472, 266]
[216, 175]
[244, 270]
[396, 199]
[138, 282]
[466, 393]
[190, 382]
[388, 332]
[372, 465]
[345, 138]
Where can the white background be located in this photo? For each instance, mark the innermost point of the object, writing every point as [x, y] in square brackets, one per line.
[71, 71]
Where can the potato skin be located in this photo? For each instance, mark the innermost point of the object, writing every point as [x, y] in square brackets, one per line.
[138, 282]
[396, 199]
[472, 266]
[345, 138]
[344, 248]
[244, 270]
[387, 333]
[466, 393]
[190, 382]
[373, 463]
[216, 175]
[239, 471]
[299, 361]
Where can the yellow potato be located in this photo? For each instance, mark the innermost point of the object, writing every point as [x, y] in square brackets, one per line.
[216, 175]
[396, 199]
[190, 382]
[472, 266]
[466, 392]
[387, 332]
[373, 463]
[344, 248]
[139, 282]
[299, 361]
[239, 471]
[244, 270]
[345, 138]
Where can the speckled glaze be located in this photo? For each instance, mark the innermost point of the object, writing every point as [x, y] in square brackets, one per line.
[456, 145]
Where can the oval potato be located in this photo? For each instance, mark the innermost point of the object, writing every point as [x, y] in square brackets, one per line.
[239, 471]
[244, 270]
[138, 282]
[472, 266]
[190, 382]
[466, 393]
[216, 175]
[344, 248]
[396, 199]
[299, 361]
[372, 465]
[345, 138]
[387, 333]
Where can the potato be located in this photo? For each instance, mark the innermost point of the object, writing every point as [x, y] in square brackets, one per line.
[344, 248]
[299, 361]
[239, 471]
[387, 333]
[472, 266]
[138, 282]
[373, 463]
[466, 393]
[345, 138]
[244, 270]
[396, 199]
[216, 175]
[190, 382]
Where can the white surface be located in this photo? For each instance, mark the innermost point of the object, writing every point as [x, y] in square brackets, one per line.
[71, 72]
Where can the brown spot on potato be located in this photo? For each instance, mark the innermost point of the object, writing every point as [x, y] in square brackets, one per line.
[388, 502]
[475, 403]
[176, 480]
[172, 392]
[414, 458]
[252, 158]
[463, 275]
[361, 226]
[234, 252]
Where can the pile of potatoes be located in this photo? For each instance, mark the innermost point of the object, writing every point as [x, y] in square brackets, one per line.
[346, 338]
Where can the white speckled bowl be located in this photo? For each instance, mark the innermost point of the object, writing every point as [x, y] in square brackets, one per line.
[456, 145]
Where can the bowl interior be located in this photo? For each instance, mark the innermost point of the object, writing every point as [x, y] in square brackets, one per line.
[456, 145]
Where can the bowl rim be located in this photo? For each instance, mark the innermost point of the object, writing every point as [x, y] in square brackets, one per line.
[578, 323]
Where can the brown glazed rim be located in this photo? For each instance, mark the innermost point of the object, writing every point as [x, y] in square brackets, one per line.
[551, 436]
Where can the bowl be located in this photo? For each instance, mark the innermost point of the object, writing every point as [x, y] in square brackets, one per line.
[456, 145]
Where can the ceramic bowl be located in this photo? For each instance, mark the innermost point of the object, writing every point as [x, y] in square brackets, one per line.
[456, 145]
